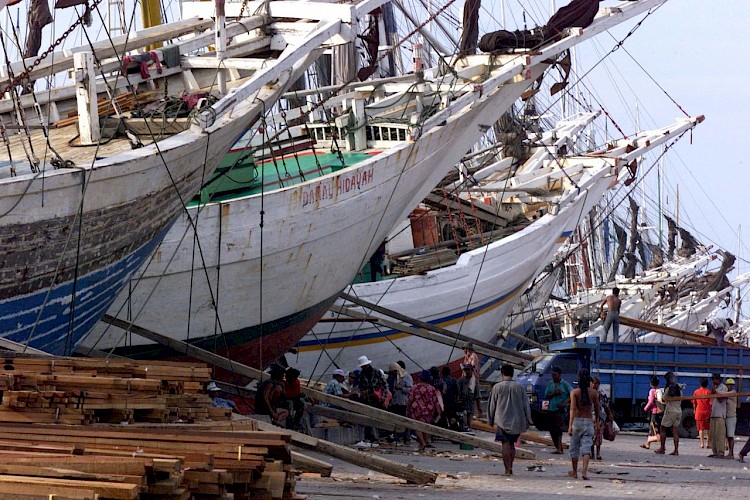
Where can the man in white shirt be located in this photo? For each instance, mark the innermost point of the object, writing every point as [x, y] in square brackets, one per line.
[718, 430]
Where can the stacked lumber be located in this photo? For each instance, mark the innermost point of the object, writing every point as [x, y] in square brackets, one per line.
[145, 462]
[122, 103]
[415, 264]
[85, 391]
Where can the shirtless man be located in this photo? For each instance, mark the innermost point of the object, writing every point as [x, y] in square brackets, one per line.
[613, 304]
[584, 401]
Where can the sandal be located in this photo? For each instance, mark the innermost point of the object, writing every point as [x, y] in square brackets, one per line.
[659, 452]
[645, 447]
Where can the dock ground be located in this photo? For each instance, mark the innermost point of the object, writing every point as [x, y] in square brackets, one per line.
[626, 471]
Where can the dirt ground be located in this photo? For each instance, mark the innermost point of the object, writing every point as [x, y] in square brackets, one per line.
[626, 471]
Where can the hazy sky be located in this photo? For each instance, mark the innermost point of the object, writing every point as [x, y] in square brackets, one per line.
[696, 51]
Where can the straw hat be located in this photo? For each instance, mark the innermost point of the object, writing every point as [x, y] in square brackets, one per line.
[339, 371]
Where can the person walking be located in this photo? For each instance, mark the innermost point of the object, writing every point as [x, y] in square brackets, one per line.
[508, 410]
[471, 359]
[702, 412]
[731, 420]
[584, 404]
[558, 395]
[718, 429]
[612, 319]
[423, 405]
[672, 415]
[655, 408]
[605, 415]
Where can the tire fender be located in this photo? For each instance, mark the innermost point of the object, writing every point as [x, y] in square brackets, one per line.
[688, 427]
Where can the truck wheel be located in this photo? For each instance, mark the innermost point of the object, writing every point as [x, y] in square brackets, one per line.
[688, 427]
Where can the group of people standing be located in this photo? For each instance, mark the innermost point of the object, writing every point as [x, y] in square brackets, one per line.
[436, 397]
[715, 417]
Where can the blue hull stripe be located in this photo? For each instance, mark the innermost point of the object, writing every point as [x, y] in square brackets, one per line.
[438, 322]
[95, 293]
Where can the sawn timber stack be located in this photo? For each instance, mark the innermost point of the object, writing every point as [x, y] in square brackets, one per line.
[145, 462]
[84, 391]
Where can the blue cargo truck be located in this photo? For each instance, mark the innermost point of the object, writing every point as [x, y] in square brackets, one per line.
[625, 371]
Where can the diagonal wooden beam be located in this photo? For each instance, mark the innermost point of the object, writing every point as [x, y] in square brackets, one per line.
[247, 371]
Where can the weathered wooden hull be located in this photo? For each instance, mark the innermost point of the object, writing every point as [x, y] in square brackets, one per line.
[71, 238]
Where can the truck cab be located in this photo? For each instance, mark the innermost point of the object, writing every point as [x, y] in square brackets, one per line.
[536, 377]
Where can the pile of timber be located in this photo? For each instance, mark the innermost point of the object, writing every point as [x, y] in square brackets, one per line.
[86, 391]
[416, 264]
[155, 462]
[119, 104]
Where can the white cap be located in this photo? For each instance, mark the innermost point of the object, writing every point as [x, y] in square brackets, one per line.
[363, 361]
[212, 387]
[339, 371]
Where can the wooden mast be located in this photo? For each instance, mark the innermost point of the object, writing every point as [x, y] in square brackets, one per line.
[151, 12]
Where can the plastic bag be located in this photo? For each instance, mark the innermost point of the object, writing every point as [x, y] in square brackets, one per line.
[610, 430]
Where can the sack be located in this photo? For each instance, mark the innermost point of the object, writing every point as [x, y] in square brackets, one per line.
[608, 432]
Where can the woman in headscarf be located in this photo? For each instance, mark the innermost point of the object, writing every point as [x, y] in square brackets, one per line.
[423, 405]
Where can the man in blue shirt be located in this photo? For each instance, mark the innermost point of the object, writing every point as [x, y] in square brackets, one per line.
[558, 394]
[217, 402]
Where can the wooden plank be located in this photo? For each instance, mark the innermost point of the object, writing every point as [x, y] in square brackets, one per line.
[63, 60]
[708, 396]
[293, 10]
[64, 473]
[307, 463]
[481, 425]
[367, 460]
[100, 465]
[193, 62]
[352, 418]
[119, 491]
[672, 332]
[10, 491]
